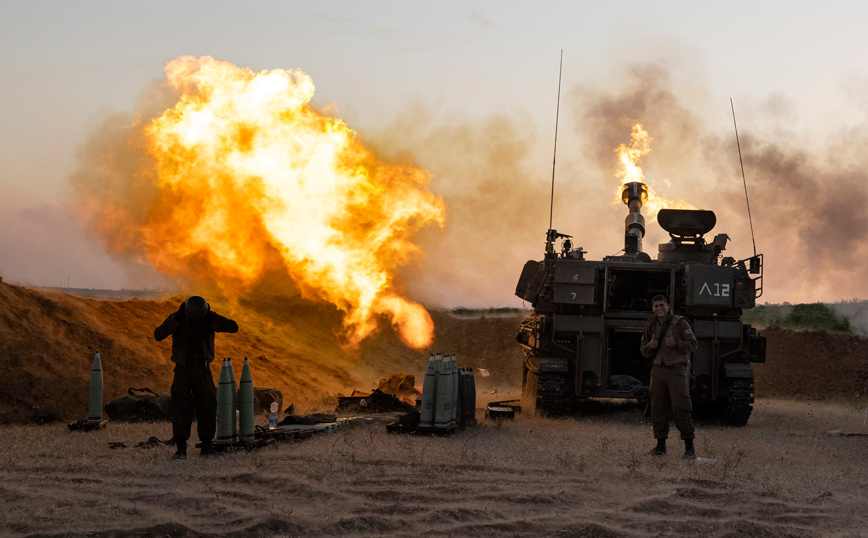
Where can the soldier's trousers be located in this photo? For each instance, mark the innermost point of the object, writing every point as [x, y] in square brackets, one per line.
[670, 397]
[193, 388]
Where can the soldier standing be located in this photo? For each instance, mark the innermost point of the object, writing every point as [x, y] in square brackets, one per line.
[192, 329]
[669, 341]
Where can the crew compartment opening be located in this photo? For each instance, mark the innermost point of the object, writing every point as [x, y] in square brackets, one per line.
[631, 290]
[628, 369]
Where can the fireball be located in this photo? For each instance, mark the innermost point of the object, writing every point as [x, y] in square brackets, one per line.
[629, 156]
[250, 178]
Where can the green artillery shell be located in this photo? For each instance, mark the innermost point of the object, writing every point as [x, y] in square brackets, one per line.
[234, 398]
[225, 411]
[245, 405]
[429, 388]
[94, 413]
[454, 398]
[444, 391]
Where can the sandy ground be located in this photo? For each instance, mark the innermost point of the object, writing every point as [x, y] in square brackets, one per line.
[781, 475]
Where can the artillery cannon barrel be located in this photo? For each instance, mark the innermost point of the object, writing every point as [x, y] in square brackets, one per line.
[634, 195]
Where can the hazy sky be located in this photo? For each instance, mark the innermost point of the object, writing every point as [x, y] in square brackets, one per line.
[794, 69]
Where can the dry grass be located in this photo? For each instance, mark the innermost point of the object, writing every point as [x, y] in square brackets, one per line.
[782, 475]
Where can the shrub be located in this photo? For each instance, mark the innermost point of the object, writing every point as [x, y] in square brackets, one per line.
[816, 316]
[764, 315]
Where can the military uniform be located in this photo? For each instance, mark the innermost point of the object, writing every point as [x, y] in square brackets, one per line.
[670, 376]
[193, 387]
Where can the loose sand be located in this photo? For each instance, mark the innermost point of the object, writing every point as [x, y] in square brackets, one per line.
[781, 475]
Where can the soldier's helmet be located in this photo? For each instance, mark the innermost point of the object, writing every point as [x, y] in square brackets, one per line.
[196, 308]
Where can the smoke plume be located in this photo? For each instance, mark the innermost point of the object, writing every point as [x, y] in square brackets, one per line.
[807, 200]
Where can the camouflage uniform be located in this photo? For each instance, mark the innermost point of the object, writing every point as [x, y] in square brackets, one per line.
[670, 376]
[193, 387]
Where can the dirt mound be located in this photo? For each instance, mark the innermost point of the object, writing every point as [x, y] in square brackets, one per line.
[814, 365]
[48, 340]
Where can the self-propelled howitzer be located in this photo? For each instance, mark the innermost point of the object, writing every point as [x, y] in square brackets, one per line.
[582, 339]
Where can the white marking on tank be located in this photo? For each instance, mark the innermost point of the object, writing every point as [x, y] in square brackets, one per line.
[720, 290]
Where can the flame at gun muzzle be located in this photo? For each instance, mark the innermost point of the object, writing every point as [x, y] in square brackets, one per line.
[634, 195]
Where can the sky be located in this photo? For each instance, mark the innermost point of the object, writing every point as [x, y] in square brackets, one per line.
[469, 90]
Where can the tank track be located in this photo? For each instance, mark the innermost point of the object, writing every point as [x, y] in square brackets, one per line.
[550, 394]
[739, 403]
[542, 391]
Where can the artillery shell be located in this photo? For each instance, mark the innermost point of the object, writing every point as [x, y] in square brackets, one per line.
[245, 405]
[94, 414]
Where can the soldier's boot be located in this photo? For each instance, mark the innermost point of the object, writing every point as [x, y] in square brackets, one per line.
[689, 451]
[659, 450]
[181, 453]
[208, 449]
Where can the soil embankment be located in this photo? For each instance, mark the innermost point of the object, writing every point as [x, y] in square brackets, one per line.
[813, 365]
[48, 340]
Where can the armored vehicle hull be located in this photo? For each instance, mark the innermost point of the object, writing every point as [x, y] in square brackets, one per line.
[582, 340]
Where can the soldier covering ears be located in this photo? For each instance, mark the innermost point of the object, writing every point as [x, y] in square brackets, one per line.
[192, 329]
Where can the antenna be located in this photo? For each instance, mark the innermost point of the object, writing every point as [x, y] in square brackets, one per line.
[555, 157]
[749, 219]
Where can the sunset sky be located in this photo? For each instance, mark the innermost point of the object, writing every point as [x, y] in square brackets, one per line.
[468, 90]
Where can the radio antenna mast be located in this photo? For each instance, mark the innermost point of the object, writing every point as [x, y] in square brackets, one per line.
[555, 157]
[749, 219]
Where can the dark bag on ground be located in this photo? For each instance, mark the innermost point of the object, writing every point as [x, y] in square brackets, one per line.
[140, 405]
[316, 418]
[376, 402]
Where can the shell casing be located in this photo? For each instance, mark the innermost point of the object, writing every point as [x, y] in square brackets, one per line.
[94, 413]
[245, 405]
[442, 408]
[429, 388]
[225, 410]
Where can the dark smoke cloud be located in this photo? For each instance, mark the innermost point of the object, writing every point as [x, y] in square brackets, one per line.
[815, 208]
[808, 199]
[604, 118]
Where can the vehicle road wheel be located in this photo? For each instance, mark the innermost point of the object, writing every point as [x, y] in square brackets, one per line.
[739, 402]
